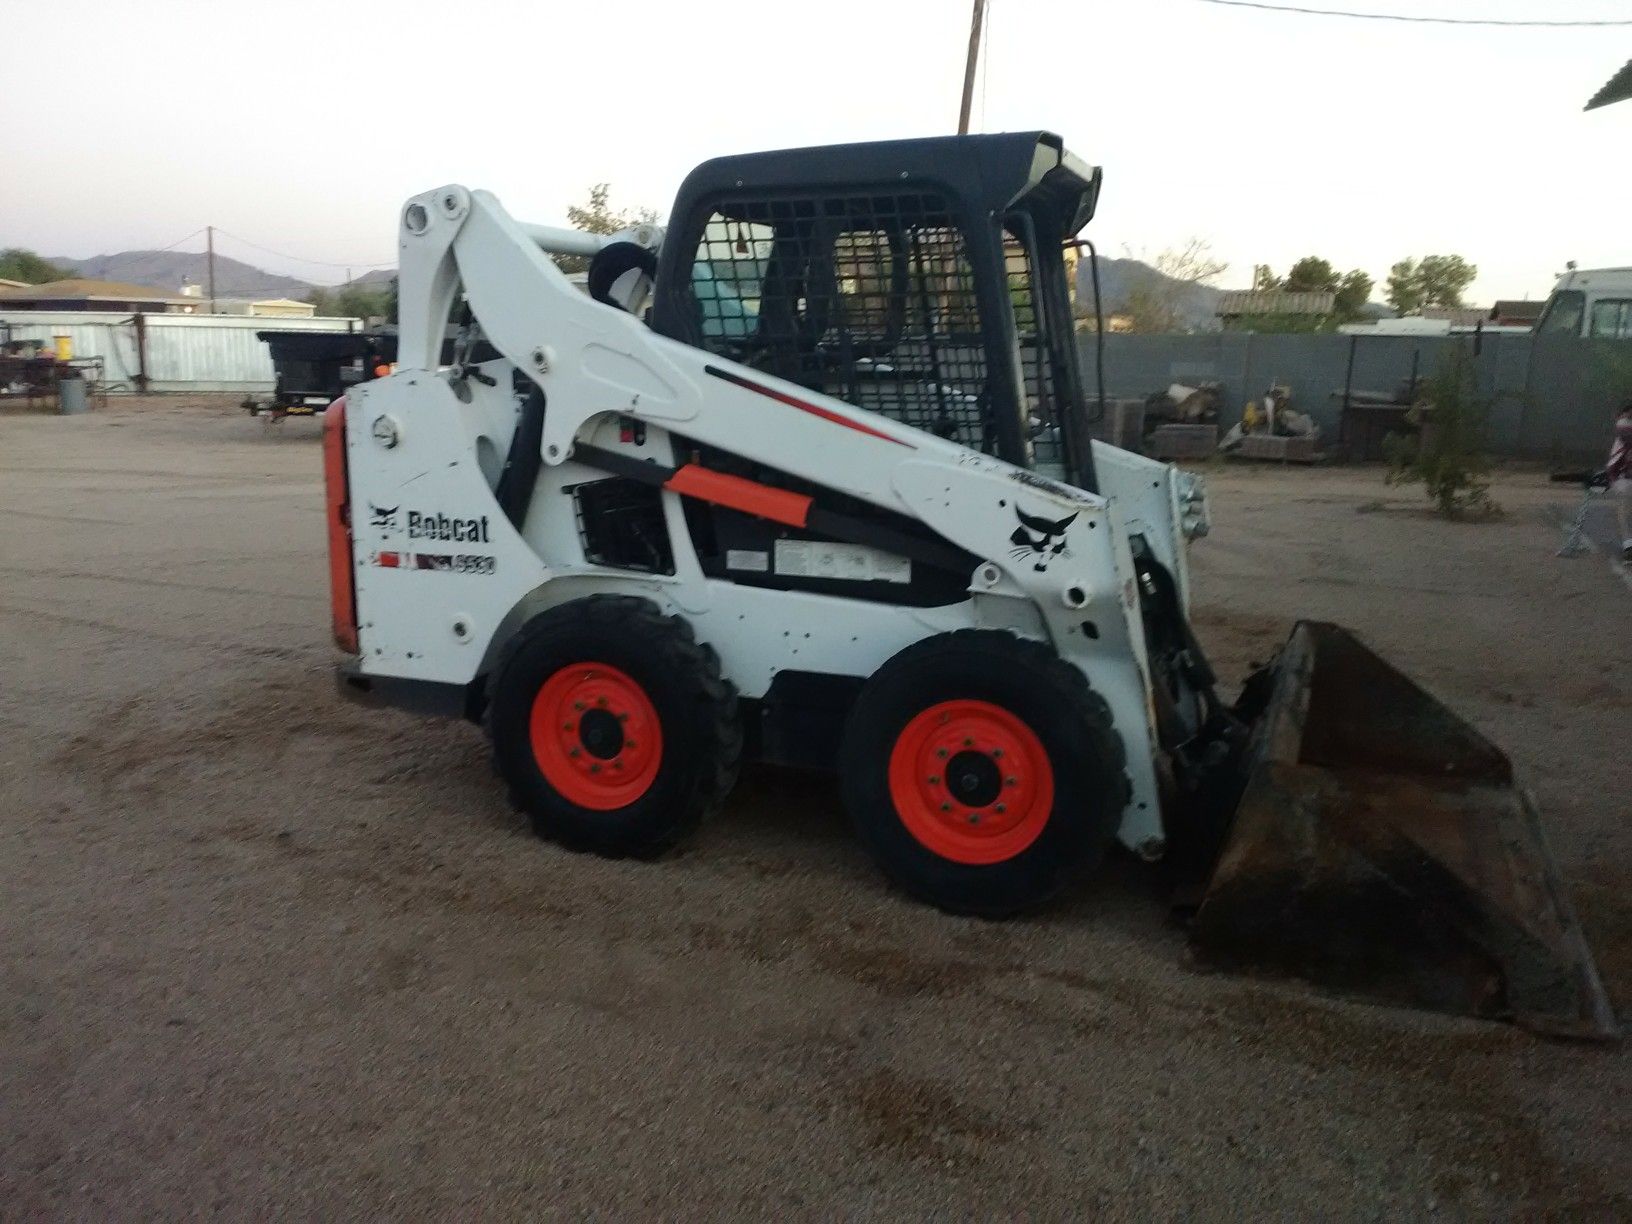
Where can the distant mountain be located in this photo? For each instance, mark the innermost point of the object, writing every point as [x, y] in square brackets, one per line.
[172, 269]
[1120, 277]
[379, 278]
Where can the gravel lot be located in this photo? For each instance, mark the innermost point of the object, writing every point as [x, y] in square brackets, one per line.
[266, 952]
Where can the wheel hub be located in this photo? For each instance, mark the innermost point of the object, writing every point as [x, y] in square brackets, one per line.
[971, 781]
[974, 779]
[596, 736]
[602, 733]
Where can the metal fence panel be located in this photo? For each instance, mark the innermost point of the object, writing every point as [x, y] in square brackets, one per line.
[1550, 398]
[184, 352]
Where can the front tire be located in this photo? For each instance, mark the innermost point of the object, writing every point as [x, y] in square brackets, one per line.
[982, 772]
[612, 727]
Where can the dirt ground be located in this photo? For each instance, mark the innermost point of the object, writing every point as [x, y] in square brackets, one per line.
[263, 951]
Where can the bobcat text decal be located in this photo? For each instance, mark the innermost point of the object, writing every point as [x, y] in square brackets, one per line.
[444, 527]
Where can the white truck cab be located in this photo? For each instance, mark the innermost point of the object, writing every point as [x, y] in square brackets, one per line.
[1590, 302]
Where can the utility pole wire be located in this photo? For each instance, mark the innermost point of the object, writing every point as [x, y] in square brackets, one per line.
[1458, 21]
[326, 263]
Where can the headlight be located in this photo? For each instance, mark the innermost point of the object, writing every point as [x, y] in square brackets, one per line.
[1193, 517]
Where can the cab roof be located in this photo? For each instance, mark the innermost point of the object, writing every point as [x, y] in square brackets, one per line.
[991, 172]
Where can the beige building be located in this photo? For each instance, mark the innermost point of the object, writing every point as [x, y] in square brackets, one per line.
[272, 308]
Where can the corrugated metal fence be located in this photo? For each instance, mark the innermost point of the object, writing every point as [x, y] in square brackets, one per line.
[1551, 397]
[184, 352]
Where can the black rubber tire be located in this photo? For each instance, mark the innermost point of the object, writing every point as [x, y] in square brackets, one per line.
[1073, 724]
[696, 709]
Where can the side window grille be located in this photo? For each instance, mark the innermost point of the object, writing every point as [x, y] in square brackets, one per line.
[869, 298]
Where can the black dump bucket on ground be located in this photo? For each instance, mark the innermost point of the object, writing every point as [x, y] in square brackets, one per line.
[1381, 848]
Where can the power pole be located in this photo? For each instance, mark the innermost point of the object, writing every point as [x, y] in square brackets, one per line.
[209, 240]
[969, 66]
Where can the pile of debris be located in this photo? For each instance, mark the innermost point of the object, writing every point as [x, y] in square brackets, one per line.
[1182, 422]
[1271, 429]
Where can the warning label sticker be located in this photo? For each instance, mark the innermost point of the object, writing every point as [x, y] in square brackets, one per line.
[841, 562]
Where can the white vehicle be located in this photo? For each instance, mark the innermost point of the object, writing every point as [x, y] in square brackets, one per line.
[1594, 303]
[797, 514]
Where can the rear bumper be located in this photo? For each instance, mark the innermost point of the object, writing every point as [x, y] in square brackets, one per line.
[416, 696]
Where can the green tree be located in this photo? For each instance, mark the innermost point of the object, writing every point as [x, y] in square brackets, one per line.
[1444, 279]
[1434, 280]
[353, 301]
[597, 216]
[23, 265]
[1404, 289]
[1353, 292]
[1312, 274]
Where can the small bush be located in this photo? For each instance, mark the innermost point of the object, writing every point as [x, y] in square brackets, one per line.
[1447, 454]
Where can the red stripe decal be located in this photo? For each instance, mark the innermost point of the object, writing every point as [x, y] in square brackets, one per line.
[749, 496]
[389, 560]
[793, 401]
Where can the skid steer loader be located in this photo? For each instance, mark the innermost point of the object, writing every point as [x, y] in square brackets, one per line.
[807, 477]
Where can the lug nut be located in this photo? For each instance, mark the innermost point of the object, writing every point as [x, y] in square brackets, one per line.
[1008, 781]
[578, 705]
[997, 753]
[594, 769]
[941, 753]
[1002, 807]
[575, 752]
[967, 742]
[933, 779]
[946, 807]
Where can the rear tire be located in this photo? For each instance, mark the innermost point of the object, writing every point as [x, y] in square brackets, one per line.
[981, 771]
[612, 727]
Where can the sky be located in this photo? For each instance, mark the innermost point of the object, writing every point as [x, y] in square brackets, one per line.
[301, 126]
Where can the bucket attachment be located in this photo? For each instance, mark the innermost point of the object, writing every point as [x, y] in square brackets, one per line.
[1381, 848]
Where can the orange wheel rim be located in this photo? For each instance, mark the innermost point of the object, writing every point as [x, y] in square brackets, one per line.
[596, 736]
[971, 782]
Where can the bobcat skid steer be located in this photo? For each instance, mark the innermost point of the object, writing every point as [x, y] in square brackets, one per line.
[808, 478]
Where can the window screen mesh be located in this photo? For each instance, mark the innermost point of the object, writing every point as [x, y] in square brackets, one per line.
[867, 298]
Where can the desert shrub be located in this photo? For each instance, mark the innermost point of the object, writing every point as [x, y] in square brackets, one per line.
[1446, 455]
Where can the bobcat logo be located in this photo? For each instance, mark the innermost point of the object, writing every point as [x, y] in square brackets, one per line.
[383, 517]
[1039, 539]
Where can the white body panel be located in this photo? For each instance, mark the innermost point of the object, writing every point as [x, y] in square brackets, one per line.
[443, 578]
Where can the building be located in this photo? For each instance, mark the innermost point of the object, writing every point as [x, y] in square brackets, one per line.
[1517, 312]
[277, 308]
[1238, 309]
[80, 294]
[1457, 316]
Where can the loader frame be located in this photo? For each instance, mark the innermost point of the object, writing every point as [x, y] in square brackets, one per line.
[464, 524]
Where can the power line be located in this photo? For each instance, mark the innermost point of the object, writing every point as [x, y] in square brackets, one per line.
[1459, 21]
[324, 263]
[179, 241]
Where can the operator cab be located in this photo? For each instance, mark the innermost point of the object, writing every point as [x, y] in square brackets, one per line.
[921, 279]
